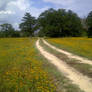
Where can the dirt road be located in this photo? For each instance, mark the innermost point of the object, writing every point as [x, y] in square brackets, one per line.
[70, 55]
[77, 78]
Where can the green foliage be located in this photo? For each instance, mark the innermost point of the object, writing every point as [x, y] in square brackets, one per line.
[51, 23]
[60, 23]
[6, 30]
[28, 24]
[20, 69]
[89, 23]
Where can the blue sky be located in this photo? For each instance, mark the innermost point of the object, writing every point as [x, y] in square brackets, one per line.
[12, 11]
[42, 4]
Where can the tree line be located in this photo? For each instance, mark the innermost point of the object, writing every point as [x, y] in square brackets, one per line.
[50, 23]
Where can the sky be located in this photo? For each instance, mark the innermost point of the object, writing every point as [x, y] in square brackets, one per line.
[12, 11]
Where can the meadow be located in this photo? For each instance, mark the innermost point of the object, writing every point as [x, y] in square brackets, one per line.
[20, 68]
[79, 46]
[24, 69]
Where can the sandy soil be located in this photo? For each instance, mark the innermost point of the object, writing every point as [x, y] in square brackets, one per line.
[77, 78]
[70, 55]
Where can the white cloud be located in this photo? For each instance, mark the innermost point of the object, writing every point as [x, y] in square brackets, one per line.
[36, 12]
[7, 12]
[21, 4]
[14, 10]
[82, 7]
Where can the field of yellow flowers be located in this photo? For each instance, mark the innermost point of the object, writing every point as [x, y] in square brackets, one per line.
[20, 70]
[80, 46]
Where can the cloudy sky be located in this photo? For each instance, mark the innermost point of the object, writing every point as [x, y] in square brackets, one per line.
[12, 11]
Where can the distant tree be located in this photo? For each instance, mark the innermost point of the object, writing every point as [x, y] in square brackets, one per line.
[85, 27]
[84, 23]
[16, 34]
[60, 23]
[6, 30]
[6, 27]
[28, 24]
[89, 23]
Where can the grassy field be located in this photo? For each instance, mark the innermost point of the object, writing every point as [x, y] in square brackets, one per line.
[24, 69]
[20, 68]
[79, 46]
[85, 69]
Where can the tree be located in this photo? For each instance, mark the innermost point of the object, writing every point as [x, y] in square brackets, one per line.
[6, 27]
[6, 30]
[48, 23]
[89, 23]
[73, 24]
[60, 23]
[85, 27]
[28, 24]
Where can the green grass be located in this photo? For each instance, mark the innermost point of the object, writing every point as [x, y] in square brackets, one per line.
[83, 68]
[63, 84]
[20, 69]
[24, 69]
[78, 45]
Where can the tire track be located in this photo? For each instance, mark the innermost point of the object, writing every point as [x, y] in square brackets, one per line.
[77, 78]
[70, 55]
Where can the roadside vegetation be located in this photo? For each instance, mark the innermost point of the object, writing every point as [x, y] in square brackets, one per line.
[62, 83]
[20, 69]
[24, 69]
[80, 46]
[85, 69]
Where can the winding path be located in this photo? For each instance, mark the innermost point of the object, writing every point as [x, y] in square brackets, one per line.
[77, 78]
[70, 55]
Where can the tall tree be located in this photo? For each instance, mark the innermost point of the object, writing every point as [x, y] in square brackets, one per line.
[89, 23]
[73, 24]
[28, 25]
[60, 23]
